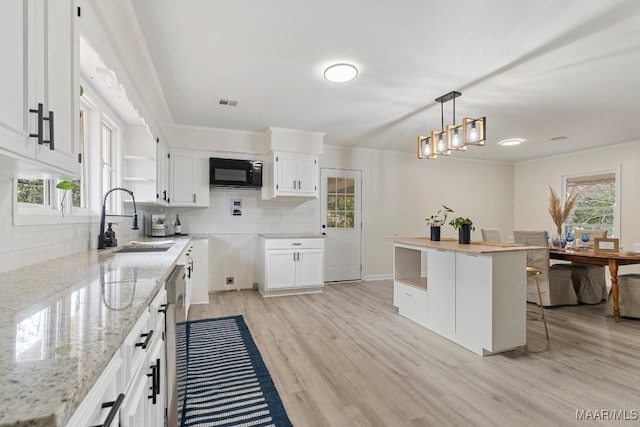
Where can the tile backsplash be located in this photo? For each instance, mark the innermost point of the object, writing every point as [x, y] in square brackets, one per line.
[21, 246]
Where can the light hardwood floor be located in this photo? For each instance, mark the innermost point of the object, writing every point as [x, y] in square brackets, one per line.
[346, 358]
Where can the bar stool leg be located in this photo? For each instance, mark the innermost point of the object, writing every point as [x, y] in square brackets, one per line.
[544, 320]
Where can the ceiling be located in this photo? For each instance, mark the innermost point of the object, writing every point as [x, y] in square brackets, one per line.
[536, 70]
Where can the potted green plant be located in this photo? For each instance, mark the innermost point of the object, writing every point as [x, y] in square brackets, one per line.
[65, 185]
[436, 221]
[464, 227]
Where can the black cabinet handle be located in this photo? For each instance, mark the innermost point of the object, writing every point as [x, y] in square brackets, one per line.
[40, 113]
[164, 195]
[115, 406]
[155, 381]
[51, 131]
[163, 308]
[147, 340]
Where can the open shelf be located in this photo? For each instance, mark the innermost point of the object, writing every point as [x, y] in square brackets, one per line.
[414, 282]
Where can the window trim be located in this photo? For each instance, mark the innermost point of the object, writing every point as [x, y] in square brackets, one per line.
[617, 173]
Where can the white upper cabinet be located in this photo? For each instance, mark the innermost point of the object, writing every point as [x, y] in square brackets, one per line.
[291, 174]
[292, 168]
[188, 179]
[39, 83]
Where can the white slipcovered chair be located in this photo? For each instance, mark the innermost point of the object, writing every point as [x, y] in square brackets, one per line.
[629, 295]
[491, 234]
[588, 280]
[556, 286]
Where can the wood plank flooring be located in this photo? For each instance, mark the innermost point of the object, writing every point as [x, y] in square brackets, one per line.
[346, 358]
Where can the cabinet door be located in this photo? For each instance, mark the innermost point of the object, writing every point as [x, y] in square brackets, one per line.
[162, 174]
[182, 179]
[473, 301]
[157, 368]
[286, 171]
[441, 288]
[281, 269]
[200, 273]
[310, 267]
[135, 407]
[307, 175]
[61, 85]
[14, 106]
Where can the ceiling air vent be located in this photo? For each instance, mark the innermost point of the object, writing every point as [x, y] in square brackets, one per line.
[228, 102]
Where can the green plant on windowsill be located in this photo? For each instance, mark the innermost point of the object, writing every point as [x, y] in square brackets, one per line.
[65, 185]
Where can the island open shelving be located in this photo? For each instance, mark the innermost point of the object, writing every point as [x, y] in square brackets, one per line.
[473, 295]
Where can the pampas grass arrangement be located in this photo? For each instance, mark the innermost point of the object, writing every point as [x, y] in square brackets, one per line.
[560, 212]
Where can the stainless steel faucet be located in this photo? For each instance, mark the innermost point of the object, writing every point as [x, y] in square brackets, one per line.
[103, 241]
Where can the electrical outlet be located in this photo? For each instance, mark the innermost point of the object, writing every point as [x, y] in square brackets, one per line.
[230, 280]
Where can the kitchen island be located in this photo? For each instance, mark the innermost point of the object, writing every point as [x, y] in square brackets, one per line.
[473, 294]
[61, 322]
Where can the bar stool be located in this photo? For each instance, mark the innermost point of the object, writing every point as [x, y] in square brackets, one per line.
[535, 272]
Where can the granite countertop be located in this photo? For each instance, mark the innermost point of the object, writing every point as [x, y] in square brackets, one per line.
[62, 321]
[292, 236]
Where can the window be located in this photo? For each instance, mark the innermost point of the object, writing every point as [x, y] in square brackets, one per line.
[108, 165]
[79, 199]
[340, 202]
[595, 207]
[34, 192]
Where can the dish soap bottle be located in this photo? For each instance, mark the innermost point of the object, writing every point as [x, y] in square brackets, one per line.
[177, 228]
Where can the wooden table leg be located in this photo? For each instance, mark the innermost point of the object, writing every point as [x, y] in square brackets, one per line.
[613, 269]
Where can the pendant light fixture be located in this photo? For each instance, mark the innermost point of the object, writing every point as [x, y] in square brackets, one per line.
[453, 136]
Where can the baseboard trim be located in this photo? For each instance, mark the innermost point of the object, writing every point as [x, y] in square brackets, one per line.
[378, 277]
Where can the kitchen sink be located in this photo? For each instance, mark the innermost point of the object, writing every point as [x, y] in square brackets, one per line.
[126, 249]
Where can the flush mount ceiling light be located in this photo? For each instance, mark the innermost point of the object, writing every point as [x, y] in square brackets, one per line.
[511, 141]
[340, 73]
[452, 137]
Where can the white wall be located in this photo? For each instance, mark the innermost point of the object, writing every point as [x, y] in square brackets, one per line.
[400, 191]
[531, 180]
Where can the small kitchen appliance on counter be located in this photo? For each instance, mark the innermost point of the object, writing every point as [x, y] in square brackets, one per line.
[157, 226]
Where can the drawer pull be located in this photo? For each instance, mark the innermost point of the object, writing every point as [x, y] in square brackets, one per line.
[408, 294]
[155, 381]
[115, 407]
[163, 308]
[147, 340]
[297, 244]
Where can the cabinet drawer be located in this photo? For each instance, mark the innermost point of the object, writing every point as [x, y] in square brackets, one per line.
[312, 243]
[411, 302]
[135, 346]
[105, 391]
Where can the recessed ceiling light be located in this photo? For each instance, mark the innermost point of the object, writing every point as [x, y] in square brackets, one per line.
[511, 141]
[340, 73]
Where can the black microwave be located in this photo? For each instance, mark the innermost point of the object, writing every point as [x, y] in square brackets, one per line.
[235, 173]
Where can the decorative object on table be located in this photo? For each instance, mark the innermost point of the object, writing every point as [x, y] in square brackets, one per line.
[177, 227]
[452, 137]
[464, 227]
[65, 186]
[559, 212]
[606, 245]
[436, 221]
[569, 238]
[222, 356]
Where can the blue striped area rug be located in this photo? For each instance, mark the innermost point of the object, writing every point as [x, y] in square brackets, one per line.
[222, 380]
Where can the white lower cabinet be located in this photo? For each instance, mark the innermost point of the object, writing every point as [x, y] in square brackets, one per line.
[291, 266]
[131, 391]
[101, 406]
[441, 285]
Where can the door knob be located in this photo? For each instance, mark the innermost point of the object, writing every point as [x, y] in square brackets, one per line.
[324, 234]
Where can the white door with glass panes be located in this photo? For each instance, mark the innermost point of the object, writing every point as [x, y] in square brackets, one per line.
[341, 223]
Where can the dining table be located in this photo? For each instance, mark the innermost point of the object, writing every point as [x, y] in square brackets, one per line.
[611, 259]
